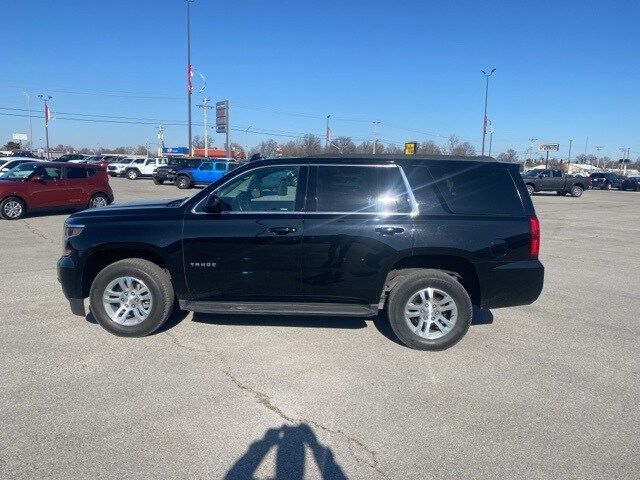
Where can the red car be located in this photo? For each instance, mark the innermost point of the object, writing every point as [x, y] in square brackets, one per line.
[36, 186]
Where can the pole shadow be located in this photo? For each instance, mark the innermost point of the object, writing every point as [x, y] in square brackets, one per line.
[291, 443]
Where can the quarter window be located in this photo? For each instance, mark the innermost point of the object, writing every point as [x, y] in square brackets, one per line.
[220, 167]
[75, 173]
[206, 166]
[271, 189]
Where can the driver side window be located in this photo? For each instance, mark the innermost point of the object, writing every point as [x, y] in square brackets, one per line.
[270, 189]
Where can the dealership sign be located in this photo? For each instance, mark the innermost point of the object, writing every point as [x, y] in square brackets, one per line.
[549, 147]
[20, 137]
[175, 150]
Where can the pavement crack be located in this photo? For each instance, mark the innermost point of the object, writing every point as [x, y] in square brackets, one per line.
[38, 233]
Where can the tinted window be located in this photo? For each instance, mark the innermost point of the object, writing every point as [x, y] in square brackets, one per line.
[392, 195]
[220, 167]
[74, 173]
[139, 161]
[272, 189]
[424, 191]
[556, 173]
[91, 172]
[346, 189]
[477, 189]
[206, 166]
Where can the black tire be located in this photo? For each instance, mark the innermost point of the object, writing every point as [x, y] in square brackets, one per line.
[408, 287]
[98, 200]
[158, 182]
[155, 278]
[10, 204]
[576, 191]
[132, 174]
[183, 182]
[530, 189]
[607, 186]
[562, 193]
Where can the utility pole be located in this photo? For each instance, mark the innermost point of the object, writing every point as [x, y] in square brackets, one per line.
[486, 97]
[246, 142]
[45, 99]
[569, 159]
[586, 145]
[375, 135]
[598, 148]
[205, 106]
[328, 134]
[189, 72]
[490, 140]
[30, 124]
[160, 140]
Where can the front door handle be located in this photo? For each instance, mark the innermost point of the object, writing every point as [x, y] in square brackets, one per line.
[282, 230]
[389, 230]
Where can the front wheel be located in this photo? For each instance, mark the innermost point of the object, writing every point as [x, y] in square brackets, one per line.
[157, 182]
[132, 174]
[430, 310]
[530, 189]
[12, 208]
[98, 200]
[607, 186]
[576, 191]
[183, 182]
[132, 297]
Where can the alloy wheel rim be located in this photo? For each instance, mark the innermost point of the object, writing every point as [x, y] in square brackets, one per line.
[99, 202]
[12, 209]
[127, 301]
[431, 313]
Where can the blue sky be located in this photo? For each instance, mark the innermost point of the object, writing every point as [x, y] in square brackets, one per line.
[565, 69]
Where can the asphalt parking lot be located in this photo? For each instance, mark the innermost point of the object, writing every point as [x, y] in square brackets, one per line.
[550, 390]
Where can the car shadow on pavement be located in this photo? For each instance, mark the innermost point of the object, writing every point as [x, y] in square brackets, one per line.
[291, 443]
[280, 320]
[481, 316]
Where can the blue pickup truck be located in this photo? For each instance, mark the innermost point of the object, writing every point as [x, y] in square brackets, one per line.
[203, 174]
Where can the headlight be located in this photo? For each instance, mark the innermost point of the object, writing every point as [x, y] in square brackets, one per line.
[72, 230]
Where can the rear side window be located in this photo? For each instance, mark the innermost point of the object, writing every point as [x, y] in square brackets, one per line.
[220, 167]
[347, 189]
[424, 191]
[477, 189]
[91, 172]
[206, 166]
[75, 173]
[393, 196]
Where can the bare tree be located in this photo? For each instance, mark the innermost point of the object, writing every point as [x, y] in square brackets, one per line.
[452, 142]
[342, 145]
[310, 144]
[429, 148]
[267, 149]
[393, 149]
[464, 148]
[510, 156]
[140, 150]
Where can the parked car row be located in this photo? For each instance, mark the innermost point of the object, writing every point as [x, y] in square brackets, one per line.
[549, 180]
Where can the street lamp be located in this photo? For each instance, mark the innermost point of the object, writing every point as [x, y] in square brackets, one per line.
[375, 135]
[189, 86]
[328, 134]
[486, 96]
[30, 124]
[45, 99]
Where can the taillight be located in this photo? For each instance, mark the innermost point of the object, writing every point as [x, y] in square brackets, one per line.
[534, 237]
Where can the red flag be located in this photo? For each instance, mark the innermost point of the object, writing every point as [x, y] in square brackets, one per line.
[46, 114]
[189, 75]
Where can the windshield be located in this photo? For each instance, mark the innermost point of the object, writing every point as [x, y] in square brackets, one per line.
[19, 172]
[531, 173]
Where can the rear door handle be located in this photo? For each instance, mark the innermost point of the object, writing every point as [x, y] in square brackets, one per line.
[282, 230]
[389, 230]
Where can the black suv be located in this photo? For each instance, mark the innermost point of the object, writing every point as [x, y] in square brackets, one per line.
[167, 173]
[605, 180]
[425, 238]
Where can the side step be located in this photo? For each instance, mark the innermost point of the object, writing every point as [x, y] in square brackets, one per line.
[275, 308]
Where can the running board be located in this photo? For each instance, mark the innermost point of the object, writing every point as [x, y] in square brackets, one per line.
[276, 308]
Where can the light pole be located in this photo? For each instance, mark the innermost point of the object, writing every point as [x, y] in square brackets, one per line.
[486, 97]
[205, 106]
[45, 99]
[246, 142]
[189, 85]
[375, 135]
[328, 134]
[569, 159]
[598, 148]
[30, 124]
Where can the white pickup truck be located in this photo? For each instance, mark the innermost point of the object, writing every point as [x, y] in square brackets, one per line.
[143, 167]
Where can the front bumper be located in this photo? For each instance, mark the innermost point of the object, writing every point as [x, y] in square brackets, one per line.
[70, 279]
[165, 176]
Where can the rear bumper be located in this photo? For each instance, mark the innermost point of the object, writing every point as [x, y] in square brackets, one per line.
[511, 284]
[69, 276]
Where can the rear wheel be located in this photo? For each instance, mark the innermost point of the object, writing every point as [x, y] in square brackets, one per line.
[530, 189]
[576, 191]
[430, 310]
[607, 186]
[157, 181]
[132, 174]
[12, 208]
[98, 200]
[132, 297]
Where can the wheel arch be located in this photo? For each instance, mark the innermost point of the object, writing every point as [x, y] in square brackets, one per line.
[18, 196]
[457, 266]
[101, 257]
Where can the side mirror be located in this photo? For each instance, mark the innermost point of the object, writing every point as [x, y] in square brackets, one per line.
[212, 204]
